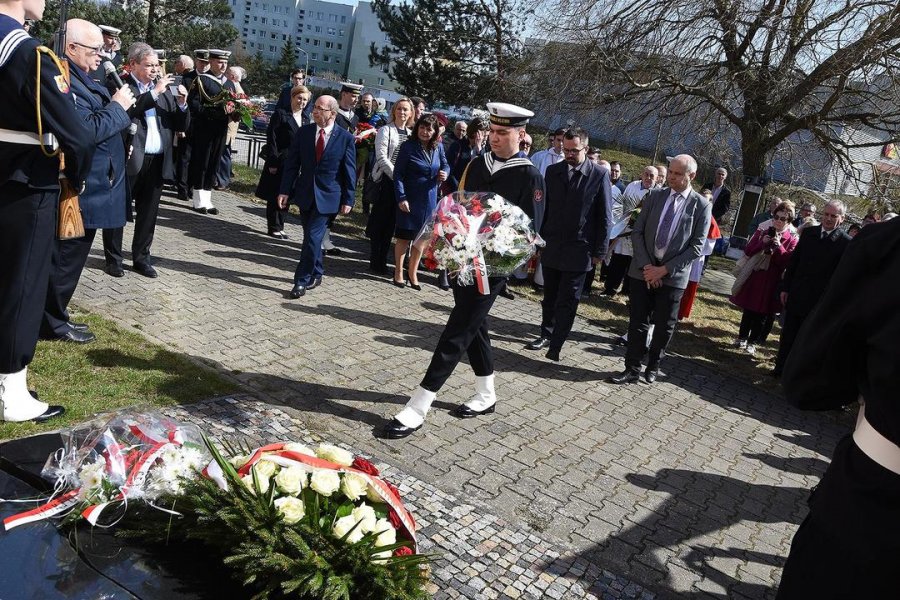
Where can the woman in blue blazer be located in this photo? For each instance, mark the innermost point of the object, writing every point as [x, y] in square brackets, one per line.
[420, 167]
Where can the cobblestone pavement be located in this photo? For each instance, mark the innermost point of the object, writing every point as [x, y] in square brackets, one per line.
[692, 487]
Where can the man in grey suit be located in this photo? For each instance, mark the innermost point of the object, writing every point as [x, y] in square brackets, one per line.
[667, 237]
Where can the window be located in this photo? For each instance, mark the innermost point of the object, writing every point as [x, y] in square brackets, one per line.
[340, 46]
[283, 37]
[329, 44]
[272, 36]
[309, 27]
[341, 32]
[254, 32]
[337, 60]
[305, 40]
[314, 56]
[318, 29]
[381, 81]
[343, 19]
[264, 20]
[252, 45]
[271, 48]
[315, 42]
[326, 58]
[332, 18]
[255, 18]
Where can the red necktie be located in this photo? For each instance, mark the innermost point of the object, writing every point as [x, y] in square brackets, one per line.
[320, 145]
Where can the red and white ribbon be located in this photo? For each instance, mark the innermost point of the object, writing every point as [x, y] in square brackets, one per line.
[54, 507]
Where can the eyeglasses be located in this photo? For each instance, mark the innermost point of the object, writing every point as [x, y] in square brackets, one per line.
[572, 150]
[322, 109]
[829, 215]
[94, 50]
[782, 219]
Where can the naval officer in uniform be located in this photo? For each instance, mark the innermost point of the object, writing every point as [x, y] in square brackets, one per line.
[206, 100]
[29, 194]
[516, 179]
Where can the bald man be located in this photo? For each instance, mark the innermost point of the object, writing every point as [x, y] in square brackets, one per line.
[103, 200]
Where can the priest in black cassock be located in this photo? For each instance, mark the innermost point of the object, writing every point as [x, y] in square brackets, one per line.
[519, 182]
[849, 544]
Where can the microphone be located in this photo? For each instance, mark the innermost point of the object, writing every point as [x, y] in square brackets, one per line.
[132, 129]
[110, 70]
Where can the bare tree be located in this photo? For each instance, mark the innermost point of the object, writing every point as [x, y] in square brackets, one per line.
[775, 71]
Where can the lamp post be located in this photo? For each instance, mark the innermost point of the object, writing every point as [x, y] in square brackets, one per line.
[306, 66]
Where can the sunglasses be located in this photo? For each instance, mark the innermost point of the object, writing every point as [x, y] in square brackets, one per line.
[782, 219]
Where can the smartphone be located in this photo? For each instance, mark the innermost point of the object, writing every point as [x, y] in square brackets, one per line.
[177, 80]
[173, 89]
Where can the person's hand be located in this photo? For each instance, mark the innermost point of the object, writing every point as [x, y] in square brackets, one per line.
[596, 260]
[652, 273]
[345, 209]
[163, 84]
[123, 97]
[130, 150]
[783, 297]
[404, 206]
[442, 175]
[273, 170]
[766, 240]
[282, 201]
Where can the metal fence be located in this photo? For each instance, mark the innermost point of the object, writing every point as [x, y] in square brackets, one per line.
[245, 149]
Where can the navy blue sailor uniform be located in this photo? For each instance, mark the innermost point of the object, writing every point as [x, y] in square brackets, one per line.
[210, 128]
[29, 183]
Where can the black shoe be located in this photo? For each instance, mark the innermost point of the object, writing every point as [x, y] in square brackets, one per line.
[79, 326]
[621, 341]
[212, 211]
[115, 271]
[297, 291]
[78, 337]
[315, 283]
[399, 284]
[552, 354]
[396, 430]
[145, 270]
[539, 289]
[506, 293]
[444, 286]
[202, 211]
[464, 412]
[333, 252]
[415, 286]
[651, 373]
[627, 376]
[182, 196]
[538, 344]
[52, 411]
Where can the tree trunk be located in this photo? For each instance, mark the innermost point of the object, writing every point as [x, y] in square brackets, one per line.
[151, 22]
[753, 155]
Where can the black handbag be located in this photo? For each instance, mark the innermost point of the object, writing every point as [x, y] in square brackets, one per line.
[264, 152]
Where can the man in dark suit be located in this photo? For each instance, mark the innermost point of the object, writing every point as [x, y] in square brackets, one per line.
[29, 197]
[809, 270]
[157, 115]
[103, 200]
[324, 156]
[721, 194]
[183, 148]
[668, 235]
[577, 216]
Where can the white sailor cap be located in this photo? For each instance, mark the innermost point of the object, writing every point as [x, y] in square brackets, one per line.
[508, 115]
[353, 88]
[161, 54]
[202, 54]
[216, 53]
[108, 30]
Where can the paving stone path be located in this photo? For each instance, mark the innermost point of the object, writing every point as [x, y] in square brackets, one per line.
[690, 488]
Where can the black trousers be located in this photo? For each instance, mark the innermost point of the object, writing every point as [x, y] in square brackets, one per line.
[466, 331]
[589, 279]
[69, 257]
[659, 305]
[275, 215]
[617, 274]
[793, 321]
[755, 327]
[27, 231]
[207, 148]
[380, 227]
[182, 160]
[146, 189]
[848, 546]
[562, 292]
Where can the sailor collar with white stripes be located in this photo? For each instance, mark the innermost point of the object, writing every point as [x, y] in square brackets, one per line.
[495, 163]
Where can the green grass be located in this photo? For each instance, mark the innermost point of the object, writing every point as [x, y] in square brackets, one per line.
[120, 369]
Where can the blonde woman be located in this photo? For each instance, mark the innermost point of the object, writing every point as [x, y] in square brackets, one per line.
[380, 228]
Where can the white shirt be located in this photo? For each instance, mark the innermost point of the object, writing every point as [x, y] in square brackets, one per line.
[635, 189]
[680, 200]
[544, 159]
[153, 143]
[298, 118]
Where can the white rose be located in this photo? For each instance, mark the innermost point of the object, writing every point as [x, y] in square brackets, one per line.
[291, 480]
[239, 461]
[263, 483]
[386, 533]
[299, 448]
[345, 524]
[292, 509]
[265, 469]
[373, 496]
[366, 516]
[334, 454]
[354, 485]
[325, 482]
